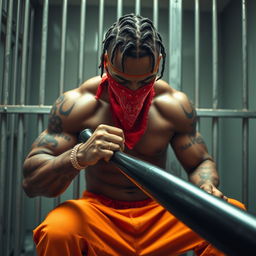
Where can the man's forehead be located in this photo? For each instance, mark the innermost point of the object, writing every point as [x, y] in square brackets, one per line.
[135, 65]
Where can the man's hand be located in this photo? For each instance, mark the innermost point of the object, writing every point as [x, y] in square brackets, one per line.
[101, 145]
[211, 189]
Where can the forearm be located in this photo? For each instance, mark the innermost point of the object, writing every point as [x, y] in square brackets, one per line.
[47, 175]
[204, 173]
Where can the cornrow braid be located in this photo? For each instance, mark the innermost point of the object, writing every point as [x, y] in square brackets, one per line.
[134, 36]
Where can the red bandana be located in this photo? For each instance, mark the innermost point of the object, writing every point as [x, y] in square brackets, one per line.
[129, 108]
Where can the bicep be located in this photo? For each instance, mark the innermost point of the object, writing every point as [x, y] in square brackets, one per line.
[53, 143]
[190, 150]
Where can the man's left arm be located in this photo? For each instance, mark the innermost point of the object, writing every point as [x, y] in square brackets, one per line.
[192, 153]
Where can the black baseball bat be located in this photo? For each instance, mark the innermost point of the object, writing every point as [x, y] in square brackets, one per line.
[228, 228]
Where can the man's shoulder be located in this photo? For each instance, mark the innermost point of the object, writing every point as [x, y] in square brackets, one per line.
[175, 106]
[73, 107]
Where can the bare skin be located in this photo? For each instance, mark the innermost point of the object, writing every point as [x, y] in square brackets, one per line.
[172, 118]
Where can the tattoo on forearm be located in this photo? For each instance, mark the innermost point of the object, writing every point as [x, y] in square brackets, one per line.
[193, 141]
[204, 176]
[55, 122]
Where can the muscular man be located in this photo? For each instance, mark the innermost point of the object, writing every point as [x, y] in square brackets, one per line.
[129, 108]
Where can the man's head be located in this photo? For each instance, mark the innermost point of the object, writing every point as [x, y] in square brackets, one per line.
[133, 37]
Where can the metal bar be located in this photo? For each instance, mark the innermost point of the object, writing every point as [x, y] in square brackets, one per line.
[215, 123]
[18, 218]
[63, 47]
[155, 13]
[7, 54]
[76, 181]
[245, 127]
[175, 43]
[1, 10]
[38, 200]
[100, 34]
[43, 53]
[137, 7]
[207, 214]
[12, 131]
[24, 54]
[81, 42]
[3, 157]
[18, 175]
[197, 58]
[202, 112]
[197, 52]
[119, 8]
[6, 89]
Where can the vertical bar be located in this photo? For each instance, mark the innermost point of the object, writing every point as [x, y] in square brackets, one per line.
[7, 55]
[18, 178]
[76, 181]
[215, 78]
[100, 35]
[137, 7]
[1, 8]
[42, 87]
[81, 42]
[6, 85]
[175, 43]
[38, 200]
[19, 208]
[155, 13]
[63, 46]
[119, 8]
[24, 54]
[197, 51]
[3, 157]
[175, 59]
[197, 58]
[12, 131]
[43, 53]
[245, 126]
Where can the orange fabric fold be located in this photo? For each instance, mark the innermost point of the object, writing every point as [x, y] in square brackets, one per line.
[96, 225]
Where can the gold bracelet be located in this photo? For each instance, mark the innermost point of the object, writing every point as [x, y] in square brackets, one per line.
[73, 157]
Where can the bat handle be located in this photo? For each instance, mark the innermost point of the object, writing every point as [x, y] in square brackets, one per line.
[85, 135]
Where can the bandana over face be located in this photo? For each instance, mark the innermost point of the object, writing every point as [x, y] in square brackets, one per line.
[129, 108]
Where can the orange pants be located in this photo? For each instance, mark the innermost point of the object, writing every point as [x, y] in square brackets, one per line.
[95, 225]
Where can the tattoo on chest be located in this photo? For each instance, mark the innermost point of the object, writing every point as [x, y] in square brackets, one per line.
[55, 122]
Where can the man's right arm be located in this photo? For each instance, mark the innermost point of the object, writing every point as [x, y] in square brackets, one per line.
[48, 170]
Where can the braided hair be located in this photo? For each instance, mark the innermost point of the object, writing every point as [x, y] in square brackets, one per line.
[134, 36]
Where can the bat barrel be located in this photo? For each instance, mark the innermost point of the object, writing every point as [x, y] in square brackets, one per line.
[227, 227]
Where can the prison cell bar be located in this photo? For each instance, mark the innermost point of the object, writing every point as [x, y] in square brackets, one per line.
[119, 9]
[12, 134]
[63, 46]
[137, 7]
[212, 218]
[6, 84]
[245, 123]
[197, 58]
[155, 13]
[76, 182]
[100, 34]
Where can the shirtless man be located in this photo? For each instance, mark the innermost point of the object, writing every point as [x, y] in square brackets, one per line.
[130, 109]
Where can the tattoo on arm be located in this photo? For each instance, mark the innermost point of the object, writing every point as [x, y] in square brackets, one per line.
[191, 115]
[193, 141]
[55, 122]
[50, 140]
[204, 175]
